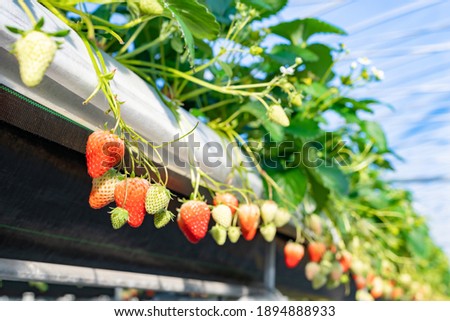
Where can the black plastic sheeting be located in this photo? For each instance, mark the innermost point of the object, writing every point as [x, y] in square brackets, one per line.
[45, 216]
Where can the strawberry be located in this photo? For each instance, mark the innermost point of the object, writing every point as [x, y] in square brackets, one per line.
[34, 51]
[268, 211]
[102, 192]
[151, 7]
[311, 269]
[222, 215]
[119, 217]
[249, 234]
[248, 220]
[219, 234]
[195, 217]
[336, 271]
[360, 281]
[363, 295]
[282, 217]
[377, 287]
[315, 224]
[345, 260]
[234, 233]
[157, 199]
[130, 195]
[227, 199]
[293, 254]
[268, 231]
[316, 251]
[277, 114]
[104, 150]
[397, 293]
[163, 218]
[191, 238]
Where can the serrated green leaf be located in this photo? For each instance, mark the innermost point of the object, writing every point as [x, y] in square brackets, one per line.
[376, 134]
[304, 128]
[331, 176]
[286, 54]
[299, 31]
[266, 8]
[320, 68]
[194, 20]
[292, 182]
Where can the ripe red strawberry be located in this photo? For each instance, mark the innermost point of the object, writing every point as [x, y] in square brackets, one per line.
[227, 199]
[316, 250]
[345, 260]
[222, 215]
[397, 293]
[248, 220]
[191, 238]
[130, 195]
[360, 281]
[102, 192]
[104, 150]
[293, 254]
[195, 217]
[377, 287]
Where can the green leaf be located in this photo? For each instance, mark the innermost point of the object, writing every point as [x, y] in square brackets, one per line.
[299, 31]
[304, 128]
[376, 134]
[221, 9]
[15, 30]
[226, 68]
[318, 191]
[418, 242]
[292, 183]
[286, 54]
[266, 8]
[322, 67]
[194, 20]
[256, 109]
[39, 24]
[333, 178]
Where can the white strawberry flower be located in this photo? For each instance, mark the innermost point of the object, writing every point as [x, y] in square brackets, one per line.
[364, 61]
[378, 73]
[353, 65]
[287, 71]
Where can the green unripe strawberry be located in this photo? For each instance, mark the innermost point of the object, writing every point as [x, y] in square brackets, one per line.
[336, 271]
[268, 211]
[222, 215]
[157, 199]
[277, 114]
[315, 223]
[119, 216]
[268, 231]
[282, 217]
[319, 281]
[163, 218]
[219, 234]
[34, 52]
[311, 269]
[151, 7]
[234, 232]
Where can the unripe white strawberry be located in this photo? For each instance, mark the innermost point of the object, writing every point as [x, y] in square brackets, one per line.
[222, 215]
[35, 51]
[282, 217]
[311, 269]
[219, 234]
[163, 218]
[277, 114]
[315, 224]
[234, 233]
[268, 211]
[151, 7]
[157, 199]
[268, 231]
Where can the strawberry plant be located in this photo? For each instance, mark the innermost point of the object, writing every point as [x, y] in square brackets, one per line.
[212, 58]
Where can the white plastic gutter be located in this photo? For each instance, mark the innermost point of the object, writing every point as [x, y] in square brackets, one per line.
[71, 79]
